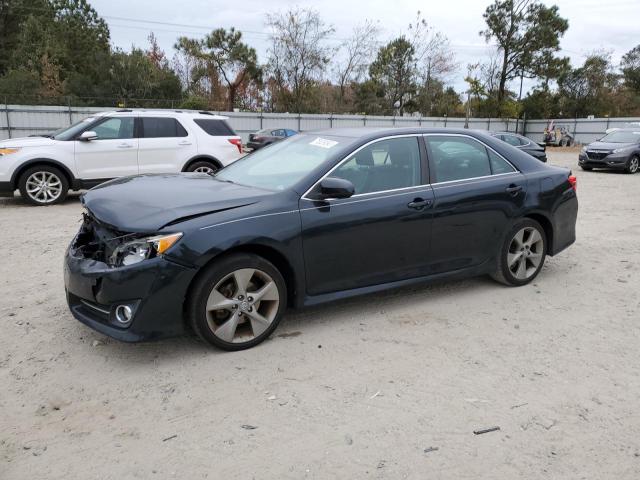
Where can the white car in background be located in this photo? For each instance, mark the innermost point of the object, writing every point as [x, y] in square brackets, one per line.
[115, 144]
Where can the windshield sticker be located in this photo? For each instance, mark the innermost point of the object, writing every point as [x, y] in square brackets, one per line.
[323, 142]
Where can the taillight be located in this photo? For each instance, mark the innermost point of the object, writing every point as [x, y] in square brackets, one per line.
[237, 142]
[574, 182]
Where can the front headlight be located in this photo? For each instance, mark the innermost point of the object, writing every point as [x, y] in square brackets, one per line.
[584, 150]
[8, 151]
[624, 149]
[142, 248]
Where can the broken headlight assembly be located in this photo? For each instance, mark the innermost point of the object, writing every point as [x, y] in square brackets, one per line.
[140, 249]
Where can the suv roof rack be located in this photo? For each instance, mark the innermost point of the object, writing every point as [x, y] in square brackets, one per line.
[204, 112]
[124, 110]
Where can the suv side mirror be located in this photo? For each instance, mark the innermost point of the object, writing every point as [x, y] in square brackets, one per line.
[332, 187]
[87, 136]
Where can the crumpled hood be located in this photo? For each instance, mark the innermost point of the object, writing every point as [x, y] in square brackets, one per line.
[608, 145]
[146, 203]
[22, 142]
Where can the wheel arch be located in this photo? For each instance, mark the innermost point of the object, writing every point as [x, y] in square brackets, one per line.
[197, 158]
[15, 178]
[547, 226]
[269, 253]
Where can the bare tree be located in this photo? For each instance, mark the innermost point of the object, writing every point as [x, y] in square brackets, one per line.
[434, 57]
[298, 55]
[358, 49]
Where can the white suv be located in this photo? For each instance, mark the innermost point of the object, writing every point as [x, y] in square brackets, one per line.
[115, 144]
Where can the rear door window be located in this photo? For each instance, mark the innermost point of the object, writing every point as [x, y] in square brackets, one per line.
[215, 128]
[162, 127]
[457, 158]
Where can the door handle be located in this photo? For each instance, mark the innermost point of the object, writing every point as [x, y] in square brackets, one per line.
[513, 189]
[184, 143]
[125, 145]
[419, 203]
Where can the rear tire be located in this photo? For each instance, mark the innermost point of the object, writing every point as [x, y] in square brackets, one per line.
[43, 185]
[633, 165]
[203, 166]
[237, 302]
[522, 254]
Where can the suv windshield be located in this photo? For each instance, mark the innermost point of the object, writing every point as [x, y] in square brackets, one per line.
[282, 164]
[620, 136]
[68, 133]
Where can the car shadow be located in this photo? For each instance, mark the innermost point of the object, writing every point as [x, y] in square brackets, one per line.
[296, 323]
[18, 201]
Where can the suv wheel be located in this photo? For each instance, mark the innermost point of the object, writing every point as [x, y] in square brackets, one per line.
[633, 165]
[237, 302]
[203, 166]
[43, 185]
[523, 253]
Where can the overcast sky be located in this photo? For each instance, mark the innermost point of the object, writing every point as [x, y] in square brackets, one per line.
[612, 25]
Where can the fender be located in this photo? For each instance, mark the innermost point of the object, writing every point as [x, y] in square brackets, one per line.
[73, 182]
[195, 158]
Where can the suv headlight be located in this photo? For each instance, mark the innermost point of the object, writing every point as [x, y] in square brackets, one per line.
[142, 248]
[8, 151]
[624, 149]
[584, 149]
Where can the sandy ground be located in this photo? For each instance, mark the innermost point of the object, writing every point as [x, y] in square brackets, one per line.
[366, 388]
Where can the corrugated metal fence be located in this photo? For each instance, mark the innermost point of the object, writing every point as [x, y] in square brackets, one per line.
[25, 120]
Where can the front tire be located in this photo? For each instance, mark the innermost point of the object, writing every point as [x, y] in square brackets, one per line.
[237, 302]
[203, 166]
[522, 254]
[43, 185]
[633, 165]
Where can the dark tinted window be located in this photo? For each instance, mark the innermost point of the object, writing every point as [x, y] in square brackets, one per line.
[499, 164]
[290, 133]
[215, 128]
[158, 127]
[114, 128]
[457, 158]
[384, 165]
[512, 140]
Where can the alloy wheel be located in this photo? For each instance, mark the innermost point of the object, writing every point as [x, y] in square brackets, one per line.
[204, 169]
[525, 253]
[44, 187]
[242, 305]
[634, 165]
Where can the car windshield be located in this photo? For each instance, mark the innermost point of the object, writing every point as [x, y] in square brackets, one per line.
[282, 164]
[622, 137]
[68, 133]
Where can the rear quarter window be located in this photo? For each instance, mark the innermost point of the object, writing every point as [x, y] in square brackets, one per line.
[215, 128]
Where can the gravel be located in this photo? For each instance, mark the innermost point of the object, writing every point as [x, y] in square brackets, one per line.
[553, 364]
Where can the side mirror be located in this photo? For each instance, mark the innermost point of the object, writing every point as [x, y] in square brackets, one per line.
[87, 136]
[332, 187]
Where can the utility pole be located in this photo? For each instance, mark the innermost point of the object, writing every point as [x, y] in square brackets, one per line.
[466, 120]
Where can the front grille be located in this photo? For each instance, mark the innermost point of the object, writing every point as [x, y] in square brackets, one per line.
[591, 155]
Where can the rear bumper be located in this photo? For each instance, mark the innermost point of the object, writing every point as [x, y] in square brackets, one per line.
[565, 217]
[154, 289]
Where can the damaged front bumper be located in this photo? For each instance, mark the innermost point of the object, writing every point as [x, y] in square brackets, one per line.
[131, 303]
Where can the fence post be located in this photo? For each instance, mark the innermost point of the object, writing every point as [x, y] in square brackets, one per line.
[575, 128]
[331, 120]
[261, 120]
[445, 120]
[69, 108]
[489, 124]
[507, 124]
[6, 112]
[524, 124]
[420, 121]
[607, 123]
[299, 122]
[364, 121]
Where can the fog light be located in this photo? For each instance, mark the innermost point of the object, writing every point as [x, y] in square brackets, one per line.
[124, 314]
